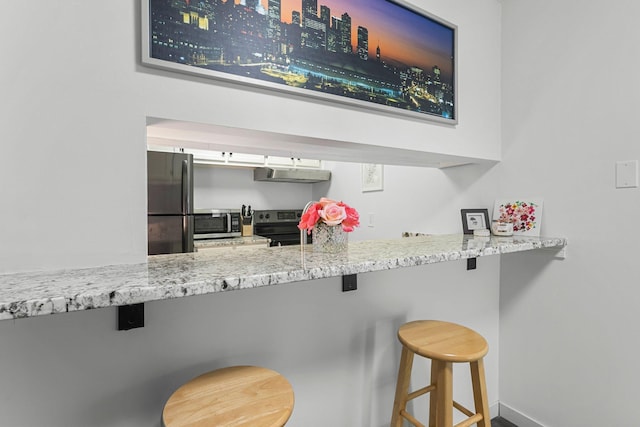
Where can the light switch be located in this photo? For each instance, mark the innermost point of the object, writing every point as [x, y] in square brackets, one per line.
[627, 174]
[372, 218]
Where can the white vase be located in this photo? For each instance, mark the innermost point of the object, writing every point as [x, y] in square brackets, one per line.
[329, 238]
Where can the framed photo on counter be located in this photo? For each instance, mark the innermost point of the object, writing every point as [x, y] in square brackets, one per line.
[474, 219]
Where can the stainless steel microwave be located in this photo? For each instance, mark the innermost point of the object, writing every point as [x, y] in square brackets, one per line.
[216, 223]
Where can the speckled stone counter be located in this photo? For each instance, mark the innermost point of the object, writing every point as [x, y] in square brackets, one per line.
[198, 273]
[231, 242]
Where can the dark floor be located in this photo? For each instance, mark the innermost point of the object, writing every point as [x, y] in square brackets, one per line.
[501, 422]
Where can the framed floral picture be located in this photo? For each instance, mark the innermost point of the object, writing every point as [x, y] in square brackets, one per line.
[524, 213]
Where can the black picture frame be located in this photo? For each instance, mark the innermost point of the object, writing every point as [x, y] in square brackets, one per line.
[381, 55]
[474, 219]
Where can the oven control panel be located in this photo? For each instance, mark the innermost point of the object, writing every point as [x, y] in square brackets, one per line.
[280, 226]
[277, 216]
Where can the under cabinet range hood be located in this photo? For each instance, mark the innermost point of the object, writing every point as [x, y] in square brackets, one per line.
[305, 176]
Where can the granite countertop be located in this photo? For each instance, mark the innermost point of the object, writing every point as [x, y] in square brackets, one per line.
[231, 241]
[198, 273]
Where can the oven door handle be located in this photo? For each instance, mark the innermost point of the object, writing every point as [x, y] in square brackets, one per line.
[228, 223]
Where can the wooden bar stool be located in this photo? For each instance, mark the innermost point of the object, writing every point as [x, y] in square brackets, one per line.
[235, 396]
[444, 343]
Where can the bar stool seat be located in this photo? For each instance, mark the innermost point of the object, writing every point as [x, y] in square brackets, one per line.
[234, 396]
[444, 343]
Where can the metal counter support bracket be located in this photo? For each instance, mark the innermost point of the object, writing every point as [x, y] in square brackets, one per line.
[471, 263]
[349, 282]
[130, 316]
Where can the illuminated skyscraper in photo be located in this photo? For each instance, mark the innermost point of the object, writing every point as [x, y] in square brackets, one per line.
[274, 20]
[345, 33]
[309, 9]
[363, 43]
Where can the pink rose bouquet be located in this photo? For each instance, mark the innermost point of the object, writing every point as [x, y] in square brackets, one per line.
[329, 212]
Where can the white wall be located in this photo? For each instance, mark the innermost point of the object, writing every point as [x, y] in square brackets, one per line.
[568, 334]
[223, 187]
[72, 126]
[413, 199]
[79, 127]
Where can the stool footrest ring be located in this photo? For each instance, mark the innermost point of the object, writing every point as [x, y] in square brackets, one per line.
[462, 409]
[470, 421]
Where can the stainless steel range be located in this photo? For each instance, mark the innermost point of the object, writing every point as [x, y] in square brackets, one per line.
[279, 225]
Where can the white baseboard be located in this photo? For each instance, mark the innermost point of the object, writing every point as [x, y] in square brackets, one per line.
[494, 410]
[515, 417]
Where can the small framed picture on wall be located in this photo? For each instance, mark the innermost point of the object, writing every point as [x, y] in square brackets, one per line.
[474, 219]
[372, 177]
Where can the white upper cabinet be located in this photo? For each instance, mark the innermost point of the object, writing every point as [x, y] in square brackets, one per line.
[307, 163]
[279, 161]
[229, 158]
[245, 159]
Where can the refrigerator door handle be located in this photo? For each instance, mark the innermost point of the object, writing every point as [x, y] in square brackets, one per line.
[185, 230]
[186, 186]
[187, 233]
[187, 207]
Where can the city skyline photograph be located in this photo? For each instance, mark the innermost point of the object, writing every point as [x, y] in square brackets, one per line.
[376, 51]
[403, 35]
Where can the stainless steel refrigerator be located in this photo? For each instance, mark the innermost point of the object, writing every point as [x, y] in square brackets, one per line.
[170, 202]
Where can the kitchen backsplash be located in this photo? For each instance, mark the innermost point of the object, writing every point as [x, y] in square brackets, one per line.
[222, 187]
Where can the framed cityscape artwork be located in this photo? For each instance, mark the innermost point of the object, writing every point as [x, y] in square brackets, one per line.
[380, 55]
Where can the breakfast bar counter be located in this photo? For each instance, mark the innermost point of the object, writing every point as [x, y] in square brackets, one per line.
[180, 275]
[201, 245]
